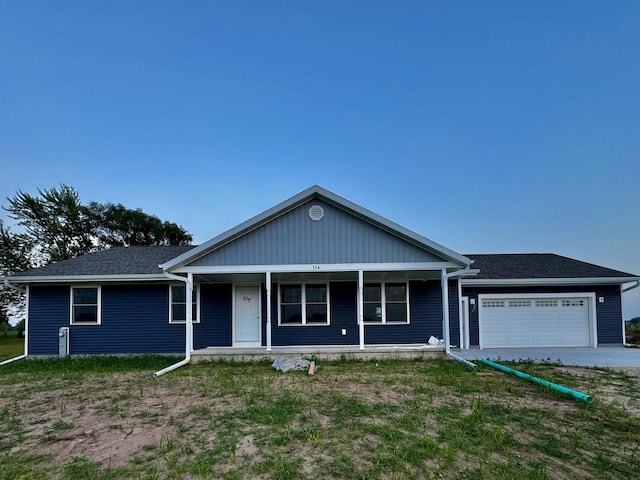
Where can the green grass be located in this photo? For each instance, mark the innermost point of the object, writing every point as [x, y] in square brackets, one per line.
[10, 346]
[362, 420]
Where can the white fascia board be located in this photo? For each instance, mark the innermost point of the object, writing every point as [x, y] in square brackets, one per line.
[306, 268]
[88, 278]
[306, 195]
[547, 281]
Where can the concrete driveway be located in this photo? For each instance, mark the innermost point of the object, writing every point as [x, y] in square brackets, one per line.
[588, 357]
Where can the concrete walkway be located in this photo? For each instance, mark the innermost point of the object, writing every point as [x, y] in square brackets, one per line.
[589, 357]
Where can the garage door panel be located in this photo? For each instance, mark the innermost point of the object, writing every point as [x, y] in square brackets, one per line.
[543, 322]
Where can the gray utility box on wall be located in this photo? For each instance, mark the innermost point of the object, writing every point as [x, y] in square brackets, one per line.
[63, 341]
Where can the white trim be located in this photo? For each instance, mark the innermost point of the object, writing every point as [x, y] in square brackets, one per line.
[317, 268]
[234, 342]
[464, 309]
[267, 286]
[360, 308]
[591, 296]
[87, 278]
[26, 325]
[548, 281]
[310, 194]
[198, 293]
[624, 326]
[383, 302]
[460, 319]
[304, 305]
[98, 305]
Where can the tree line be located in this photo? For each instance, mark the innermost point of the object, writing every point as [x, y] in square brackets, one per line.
[55, 225]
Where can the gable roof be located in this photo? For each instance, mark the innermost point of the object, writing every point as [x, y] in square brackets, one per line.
[317, 192]
[504, 266]
[143, 262]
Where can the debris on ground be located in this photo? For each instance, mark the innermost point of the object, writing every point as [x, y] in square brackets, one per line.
[434, 341]
[287, 364]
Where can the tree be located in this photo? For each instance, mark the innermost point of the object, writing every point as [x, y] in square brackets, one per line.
[56, 220]
[117, 225]
[62, 227]
[58, 226]
[16, 255]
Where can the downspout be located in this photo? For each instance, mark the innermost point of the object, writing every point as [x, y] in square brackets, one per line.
[188, 331]
[445, 311]
[624, 330]
[26, 343]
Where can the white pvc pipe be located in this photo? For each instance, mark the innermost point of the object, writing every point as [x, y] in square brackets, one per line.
[19, 357]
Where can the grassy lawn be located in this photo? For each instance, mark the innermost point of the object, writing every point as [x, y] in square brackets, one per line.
[10, 346]
[108, 418]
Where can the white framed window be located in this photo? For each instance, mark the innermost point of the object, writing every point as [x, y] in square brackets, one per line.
[303, 304]
[85, 305]
[386, 303]
[178, 304]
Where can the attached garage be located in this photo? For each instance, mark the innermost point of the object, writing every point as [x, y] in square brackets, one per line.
[561, 320]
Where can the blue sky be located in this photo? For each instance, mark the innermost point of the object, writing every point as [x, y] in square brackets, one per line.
[490, 127]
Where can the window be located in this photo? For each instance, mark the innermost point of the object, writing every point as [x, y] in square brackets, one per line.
[546, 303]
[492, 303]
[573, 303]
[304, 304]
[386, 303]
[85, 305]
[520, 303]
[178, 304]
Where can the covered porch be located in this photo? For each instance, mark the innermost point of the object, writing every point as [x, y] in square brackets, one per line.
[326, 310]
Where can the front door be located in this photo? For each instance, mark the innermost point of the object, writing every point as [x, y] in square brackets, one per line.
[246, 331]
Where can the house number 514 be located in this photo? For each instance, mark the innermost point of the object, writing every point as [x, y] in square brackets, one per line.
[315, 267]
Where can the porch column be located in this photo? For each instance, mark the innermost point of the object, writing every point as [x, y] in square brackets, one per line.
[267, 284]
[445, 307]
[361, 308]
[189, 312]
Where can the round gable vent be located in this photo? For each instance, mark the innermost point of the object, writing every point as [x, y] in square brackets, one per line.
[316, 213]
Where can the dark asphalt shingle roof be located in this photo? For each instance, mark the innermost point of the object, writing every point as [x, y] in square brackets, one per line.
[537, 265]
[145, 260]
[114, 261]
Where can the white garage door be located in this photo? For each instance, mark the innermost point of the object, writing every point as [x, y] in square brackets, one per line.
[534, 322]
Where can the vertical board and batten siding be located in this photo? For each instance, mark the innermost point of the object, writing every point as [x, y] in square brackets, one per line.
[609, 313]
[294, 238]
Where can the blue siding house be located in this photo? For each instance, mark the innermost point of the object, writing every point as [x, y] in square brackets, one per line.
[317, 271]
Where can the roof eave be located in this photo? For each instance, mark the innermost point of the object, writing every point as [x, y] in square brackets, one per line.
[504, 282]
[86, 278]
[302, 197]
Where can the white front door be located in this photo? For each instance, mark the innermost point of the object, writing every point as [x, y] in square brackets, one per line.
[246, 321]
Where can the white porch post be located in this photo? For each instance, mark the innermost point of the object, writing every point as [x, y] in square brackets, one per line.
[189, 312]
[267, 284]
[361, 308]
[445, 308]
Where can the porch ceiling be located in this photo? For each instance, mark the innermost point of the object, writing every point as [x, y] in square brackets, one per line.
[319, 276]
